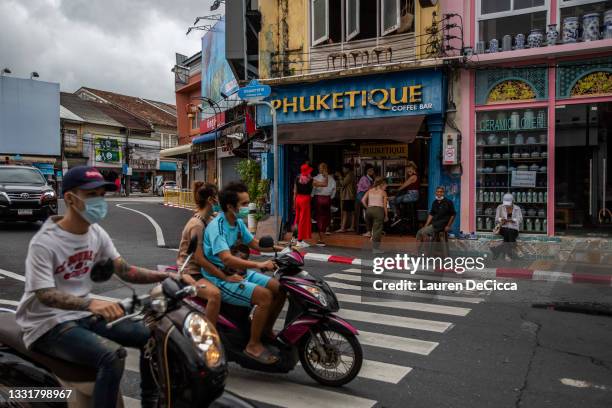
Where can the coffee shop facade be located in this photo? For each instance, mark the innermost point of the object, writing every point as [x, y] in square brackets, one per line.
[383, 120]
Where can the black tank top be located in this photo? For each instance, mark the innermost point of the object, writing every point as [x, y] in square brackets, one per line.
[300, 188]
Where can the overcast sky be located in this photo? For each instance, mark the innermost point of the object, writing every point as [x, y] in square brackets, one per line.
[124, 46]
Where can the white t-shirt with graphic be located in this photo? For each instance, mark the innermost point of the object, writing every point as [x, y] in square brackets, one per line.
[62, 260]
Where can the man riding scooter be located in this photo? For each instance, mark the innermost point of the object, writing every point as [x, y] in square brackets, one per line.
[58, 316]
[253, 288]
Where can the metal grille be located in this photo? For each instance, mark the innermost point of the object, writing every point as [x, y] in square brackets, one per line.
[21, 196]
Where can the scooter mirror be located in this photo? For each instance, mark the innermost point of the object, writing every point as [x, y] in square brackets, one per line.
[266, 242]
[102, 271]
[193, 243]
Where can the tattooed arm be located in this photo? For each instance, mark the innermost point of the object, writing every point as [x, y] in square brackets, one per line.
[135, 274]
[54, 298]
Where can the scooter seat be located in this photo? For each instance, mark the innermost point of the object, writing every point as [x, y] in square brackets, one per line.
[10, 334]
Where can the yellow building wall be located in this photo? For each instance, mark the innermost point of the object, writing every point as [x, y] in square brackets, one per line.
[424, 18]
[284, 35]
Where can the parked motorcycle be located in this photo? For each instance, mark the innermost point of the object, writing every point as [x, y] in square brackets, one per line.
[325, 344]
[185, 353]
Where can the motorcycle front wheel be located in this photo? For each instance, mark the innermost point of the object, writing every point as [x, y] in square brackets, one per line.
[331, 357]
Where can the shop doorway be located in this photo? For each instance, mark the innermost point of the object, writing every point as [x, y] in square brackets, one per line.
[583, 190]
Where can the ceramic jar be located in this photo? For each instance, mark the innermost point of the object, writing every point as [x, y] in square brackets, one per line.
[607, 31]
[552, 35]
[607, 19]
[515, 120]
[535, 38]
[507, 43]
[528, 119]
[590, 27]
[493, 45]
[570, 29]
[519, 140]
[480, 47]
[519, 41]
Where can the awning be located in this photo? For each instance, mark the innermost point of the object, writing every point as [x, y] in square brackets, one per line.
[167, 166]
[401, 129]
[208, 137]
[176, 151]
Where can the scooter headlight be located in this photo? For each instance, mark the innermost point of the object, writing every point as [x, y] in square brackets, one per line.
[316, 292]
[205, 338]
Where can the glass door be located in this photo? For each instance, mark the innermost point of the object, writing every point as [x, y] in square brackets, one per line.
[583, 196]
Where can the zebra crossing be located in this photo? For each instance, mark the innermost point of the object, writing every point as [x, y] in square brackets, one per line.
[387, 354]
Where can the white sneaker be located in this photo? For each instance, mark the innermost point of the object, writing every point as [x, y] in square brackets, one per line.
[303, 244]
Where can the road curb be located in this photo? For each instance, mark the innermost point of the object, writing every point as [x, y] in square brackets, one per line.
[486, 273]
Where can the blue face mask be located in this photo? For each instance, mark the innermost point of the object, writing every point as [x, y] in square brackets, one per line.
[95, 209]
[216, 208]
[243, 213]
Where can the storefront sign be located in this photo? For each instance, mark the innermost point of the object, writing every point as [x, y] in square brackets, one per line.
[142, 158]
[107, 151]
[384, 150]
[397, 94]
[524, 178]
[212, 122]
[226, 147]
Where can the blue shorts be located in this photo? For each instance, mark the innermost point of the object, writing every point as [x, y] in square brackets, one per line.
[239, 293]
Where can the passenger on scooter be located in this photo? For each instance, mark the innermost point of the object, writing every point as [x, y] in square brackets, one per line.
[58, 316]
[253, 289]
[206, 197]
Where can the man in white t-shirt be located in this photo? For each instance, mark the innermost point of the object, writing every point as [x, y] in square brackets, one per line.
[58, 316]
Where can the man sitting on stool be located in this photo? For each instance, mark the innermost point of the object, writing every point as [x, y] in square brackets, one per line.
[440, 218]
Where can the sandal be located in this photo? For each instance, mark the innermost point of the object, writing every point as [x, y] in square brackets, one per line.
[266, 357]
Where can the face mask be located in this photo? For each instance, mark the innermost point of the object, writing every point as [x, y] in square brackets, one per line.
[243, 213]
[216, 208]
[95, 209]
[439, 198]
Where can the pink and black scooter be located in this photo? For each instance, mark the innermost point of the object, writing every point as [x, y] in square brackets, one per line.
[326, 345]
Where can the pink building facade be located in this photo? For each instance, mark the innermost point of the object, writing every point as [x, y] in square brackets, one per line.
[534, 106]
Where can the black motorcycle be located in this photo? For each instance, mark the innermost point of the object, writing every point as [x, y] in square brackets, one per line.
[185, 353]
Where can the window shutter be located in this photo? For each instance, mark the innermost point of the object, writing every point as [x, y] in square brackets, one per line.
[390, 16]
[320, 21]
[352, 18]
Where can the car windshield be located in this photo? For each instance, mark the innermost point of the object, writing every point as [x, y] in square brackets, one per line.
[11, 175]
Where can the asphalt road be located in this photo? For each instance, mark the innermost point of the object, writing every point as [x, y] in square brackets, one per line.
[469, 349]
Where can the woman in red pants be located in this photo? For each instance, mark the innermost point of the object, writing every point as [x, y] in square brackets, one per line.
[301, 201]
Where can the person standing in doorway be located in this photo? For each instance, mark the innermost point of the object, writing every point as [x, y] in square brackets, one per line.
[323, 196]
[348, 193]
[408, 192]
[365, 182]
[302, 191]
[375, 202]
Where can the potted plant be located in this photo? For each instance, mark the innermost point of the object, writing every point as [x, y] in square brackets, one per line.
[250, 174]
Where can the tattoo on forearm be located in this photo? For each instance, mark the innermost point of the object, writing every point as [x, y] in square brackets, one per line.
[54, 298]
[135, 274]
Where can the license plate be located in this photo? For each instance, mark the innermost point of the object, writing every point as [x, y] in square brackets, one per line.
[24, 211]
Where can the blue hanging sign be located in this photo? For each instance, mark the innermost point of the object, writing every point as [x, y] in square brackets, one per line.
[254, 90]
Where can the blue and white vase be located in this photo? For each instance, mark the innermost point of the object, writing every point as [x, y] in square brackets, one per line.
[590, 27]
[607, 19]
[519, 41]
[607, 33]
[570, 30]
[493, 45]
[552, 35]
[535, 38]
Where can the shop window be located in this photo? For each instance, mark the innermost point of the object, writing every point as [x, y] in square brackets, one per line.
[497, 18]
[582, 8]
[326, 17]
[511, 91]
[195, 120]
[511, 156]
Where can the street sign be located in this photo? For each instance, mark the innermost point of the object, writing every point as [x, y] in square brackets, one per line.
[254, 91]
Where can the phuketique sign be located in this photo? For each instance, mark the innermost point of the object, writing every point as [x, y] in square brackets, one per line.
[384, 150]
[211, 123]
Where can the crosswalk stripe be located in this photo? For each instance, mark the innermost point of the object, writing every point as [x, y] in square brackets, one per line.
[275, 390]
[465, 299]
[405, 344]
[130, 402]
[406, 305]
[395, 321]
[267, 388]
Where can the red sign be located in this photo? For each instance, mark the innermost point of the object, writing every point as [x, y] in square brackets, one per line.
[211, 123]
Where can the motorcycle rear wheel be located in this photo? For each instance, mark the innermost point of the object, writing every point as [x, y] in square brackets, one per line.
[322, 368]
